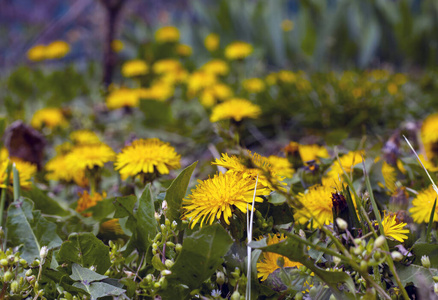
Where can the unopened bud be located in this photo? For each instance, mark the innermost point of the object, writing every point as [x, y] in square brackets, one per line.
[8, 276]
[379, 241]
[235, 296]
[43, 252]
[14, 287]
[220, 278]
[336, 260]
[166, 272]
[178, 248]
[168, 263]
[396, 256]
[425, 261]
[170, 244]
[341, 224]
[4, 262]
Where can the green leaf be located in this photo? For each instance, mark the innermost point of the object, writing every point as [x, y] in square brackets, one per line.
[429, 226]
[87, 250]
[421, 248]
[417, 275]
[156, 112]
[103, 209]
[89, 281]
[44, 203]
[176, 192]
[157, 263]
[124, 206]
[28, 228]
[201, 255]
[146, 223]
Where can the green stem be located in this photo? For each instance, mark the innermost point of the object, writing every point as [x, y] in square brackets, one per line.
[4, 192]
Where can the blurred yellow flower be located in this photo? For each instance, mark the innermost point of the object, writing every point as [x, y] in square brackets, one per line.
[238, 50]
[282, 166]
[393, 228]
[287, 76]
[211, 95]
[112, 225]
[122, 97]
[25, 169]
[87, 157]
[312, 152]
[253, 85]
[199, 80]
[317, 206]
[390, 176]
[422, 206]
[58, 169]
[287, 25]
[271, 79]
[147, 156]
[168, 65]
[117, 45]
[86, 201]
[236, 109]
[84, 137]
[216, 67]
[167, 34]
[267, 262]
[160, 91]
[211, 42]
[37, 53]
[135, 67]
[429, 135]
[345, 163]
[392, 89]
[48, 117]
[184, 50]
[57, 49]
[217, 198]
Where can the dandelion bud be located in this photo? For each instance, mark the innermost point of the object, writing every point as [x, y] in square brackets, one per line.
[43, 252]
[220, 278]
[166, 272]
[379, 242]
[8, 276]
[341, 224]
[14, 287]
[235, 296]
[425, 261]
[363, 266]
[178, 248]
[4, 262]
[168, 263]
[170, 244]
[396, 256]
[336, 260]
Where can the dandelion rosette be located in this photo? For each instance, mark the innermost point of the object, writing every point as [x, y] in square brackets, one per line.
[217, 198]
[147, 156]
[267, 263]
[236, 109]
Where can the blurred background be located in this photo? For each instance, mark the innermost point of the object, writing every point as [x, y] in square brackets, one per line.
[316, 34]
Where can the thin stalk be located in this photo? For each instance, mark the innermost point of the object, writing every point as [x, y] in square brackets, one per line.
[16, 177]
[249, 236]
[4, 192]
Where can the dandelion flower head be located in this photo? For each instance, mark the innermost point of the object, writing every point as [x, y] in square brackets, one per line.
[184, 50]
[393, 228]
[135, 67]
[216, 67]
[312, 152]
[429, 135]
[49, 117]
[253, 85]
[37, 53]
[236, 109]
[57, 49]
[281, 165]
[422, 206]
[217, 198]
[86, 201]
[122, 97]
[58, 169]
[345, 163]
[317, 205]
[84, 137]
[198, 81]
[167, 65]
[25, 169]
[87, 157]
[147, 156]
[211, 42]
[267, 263]
[238, 50]
[167, 34]
[117, 46]
[211, 95]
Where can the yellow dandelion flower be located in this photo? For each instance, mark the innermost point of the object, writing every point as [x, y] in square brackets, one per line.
[168, 65]
[393, 228]
[238, 50]
[271, 79]
[167, 34]
[25, 169]
[236, 109]
[135, 67]
[236, 164]
[117, 45]
[184, 50]
[87, 157]
[176, 77]
[219, 196]
[212, 42]
[422, 206]
[345, 162]
[112, 225]
[37, 53]
[287, 76]
[216, 67]
[122, 97]
[317, 205]
[429, 165]
[57, 49]
[58, 169]
[198, 81]
[390, 176]
[159, 90]
[84, 137]
[49, 117]
[4, 154]
[312, 152]
[400, 79]
[287, 25]
[392, 88]
[147, 156]
[429, 135]
[86, 201]
[211, 95]
[267, 263]
[282, 166]
[253, 85]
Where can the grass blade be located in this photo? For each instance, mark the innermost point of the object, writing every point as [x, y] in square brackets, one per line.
[429, 226]
[16, 177]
